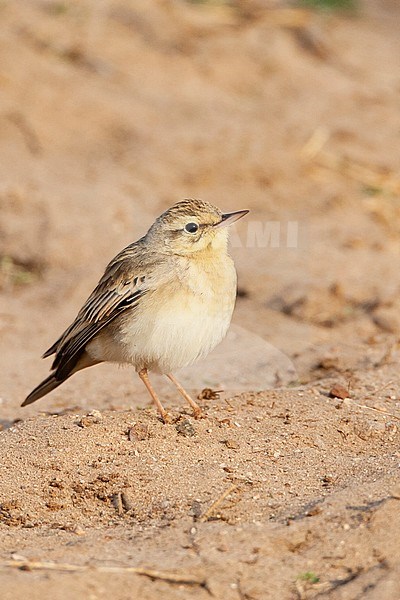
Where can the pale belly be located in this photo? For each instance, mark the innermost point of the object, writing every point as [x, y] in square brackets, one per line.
[168, 331]
[176, 337]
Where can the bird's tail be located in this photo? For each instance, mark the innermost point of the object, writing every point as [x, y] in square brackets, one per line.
[42, 389]
[57, 378]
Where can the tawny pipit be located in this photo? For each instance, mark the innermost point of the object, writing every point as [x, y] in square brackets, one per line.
[163, 302]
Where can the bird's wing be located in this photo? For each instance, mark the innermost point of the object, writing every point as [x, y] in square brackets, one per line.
[125, 281]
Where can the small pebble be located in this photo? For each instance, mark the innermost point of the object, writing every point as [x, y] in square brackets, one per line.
[92, 418]
[232, 444]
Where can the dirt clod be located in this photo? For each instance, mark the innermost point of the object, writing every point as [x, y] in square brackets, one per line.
[209, 394]
[138, 432]
[185, 428]
[339, 391]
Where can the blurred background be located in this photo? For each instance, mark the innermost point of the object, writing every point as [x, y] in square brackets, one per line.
[112, 110]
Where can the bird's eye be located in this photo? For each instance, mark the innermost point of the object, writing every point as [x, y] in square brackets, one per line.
[191, 227]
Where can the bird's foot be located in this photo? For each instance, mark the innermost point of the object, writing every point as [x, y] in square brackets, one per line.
[198, 413]
[166, 417]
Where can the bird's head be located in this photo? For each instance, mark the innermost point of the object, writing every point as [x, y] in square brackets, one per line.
[191, 226]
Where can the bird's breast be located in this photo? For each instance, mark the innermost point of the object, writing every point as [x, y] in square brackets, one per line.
[182, 320]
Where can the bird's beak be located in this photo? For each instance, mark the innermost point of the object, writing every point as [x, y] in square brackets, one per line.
[229, 218]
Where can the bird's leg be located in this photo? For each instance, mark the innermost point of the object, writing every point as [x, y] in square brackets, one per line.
[196, 408]
[145, 378]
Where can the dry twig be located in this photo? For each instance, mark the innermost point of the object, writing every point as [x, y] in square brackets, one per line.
[203, 518]
[382, 411]
[179, 578]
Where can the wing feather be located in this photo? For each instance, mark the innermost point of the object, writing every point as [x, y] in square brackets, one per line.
[121, 287]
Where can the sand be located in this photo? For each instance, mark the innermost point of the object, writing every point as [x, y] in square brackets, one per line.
[289, 487]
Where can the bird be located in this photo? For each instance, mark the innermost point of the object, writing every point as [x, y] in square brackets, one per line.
[164, 302]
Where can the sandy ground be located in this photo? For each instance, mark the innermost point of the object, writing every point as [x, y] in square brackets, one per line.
[109, 113]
